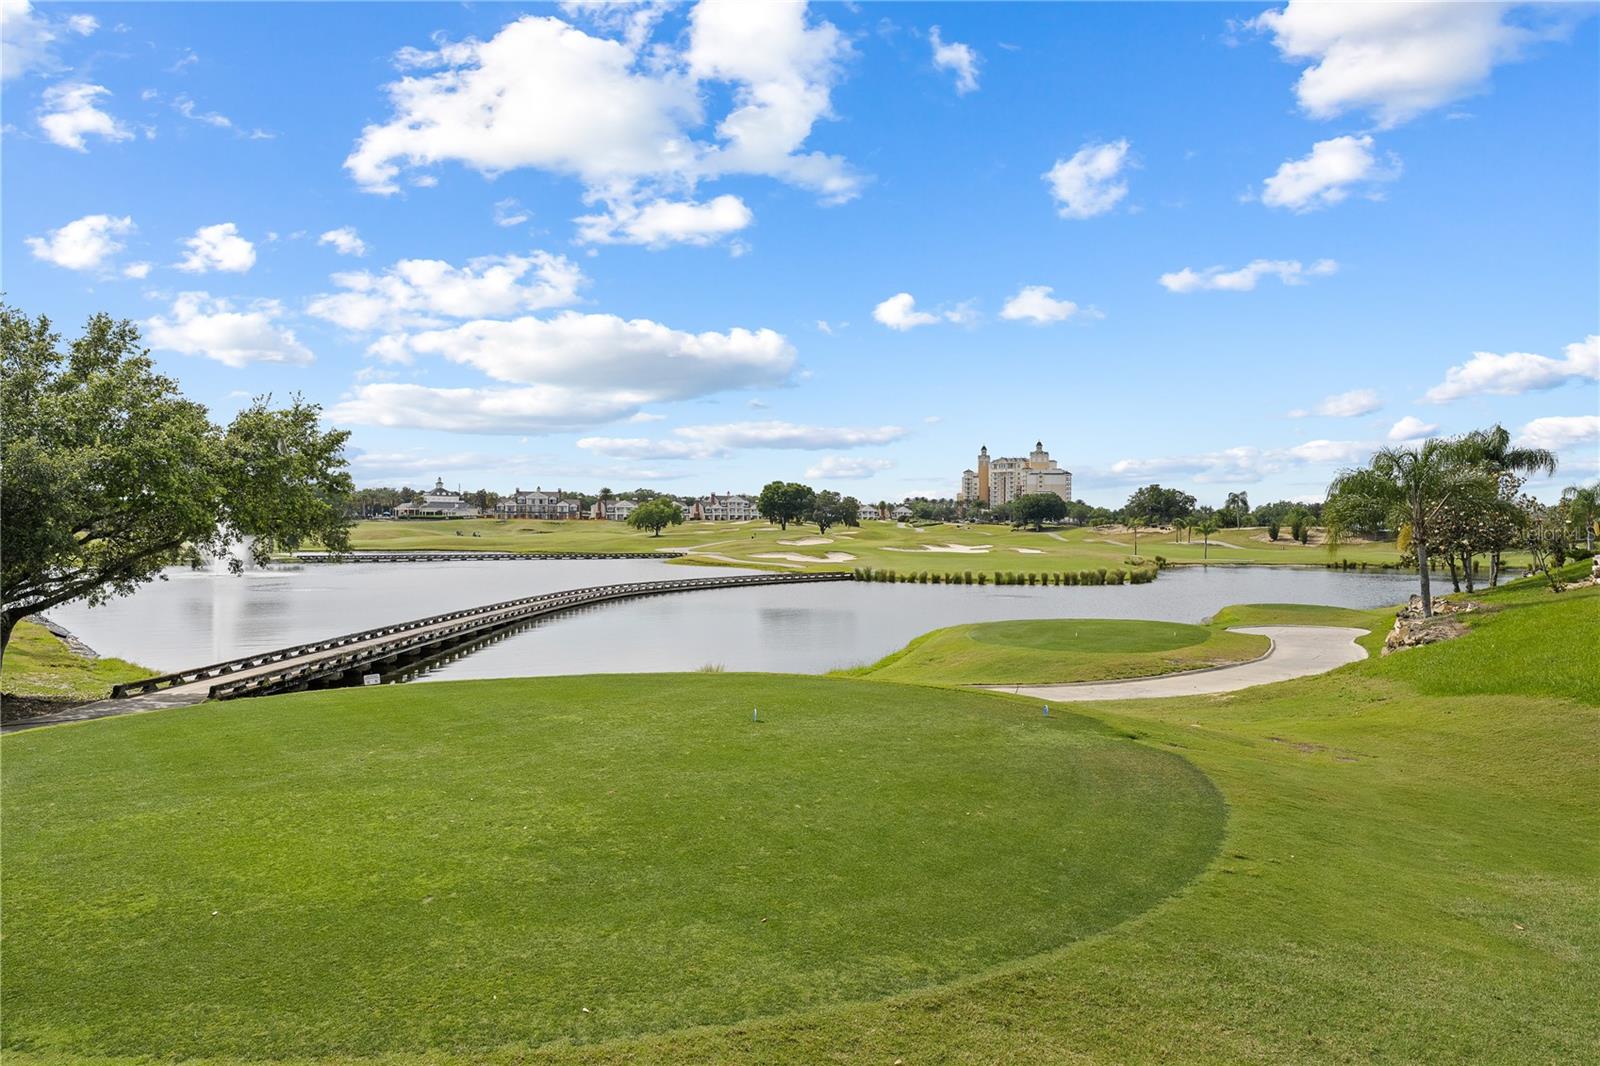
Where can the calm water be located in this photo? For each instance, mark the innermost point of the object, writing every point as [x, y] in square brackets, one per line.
[196, 618]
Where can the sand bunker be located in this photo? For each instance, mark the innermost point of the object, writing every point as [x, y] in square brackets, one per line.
[806, 542]
[955, 549]
[1028, 551]
[794, 557]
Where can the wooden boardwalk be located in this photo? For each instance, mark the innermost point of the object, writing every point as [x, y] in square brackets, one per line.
[345, 660]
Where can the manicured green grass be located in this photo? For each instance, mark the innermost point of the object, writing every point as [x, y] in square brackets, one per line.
[988, 549]
[456, 867]
[1062, 650]
[1410, 868]
[37, 664]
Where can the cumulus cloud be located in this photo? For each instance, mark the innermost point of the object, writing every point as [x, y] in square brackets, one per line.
[201, 324]
[1396, 61]
[621, 114]
[1239, 466]
[961, 60]
[426, 292]
[1221, 279]
[1488, 374]
[1350, 404]
[663, 222]
[1328, 175]
[1033, 303]
[640, 359]
[1559, 431]
[899, 312]
[716, 441]
[138, 271]
[218, 247]
[345, 240]
[82, 244]
[1089, 183]
[1411, 428]
[28, 37]
[534, 409]
[847, 468]
[70, 112]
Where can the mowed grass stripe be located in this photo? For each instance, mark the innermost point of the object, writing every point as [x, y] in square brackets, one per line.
[448, 867]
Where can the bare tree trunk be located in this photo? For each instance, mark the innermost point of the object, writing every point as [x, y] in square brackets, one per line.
[1419, 535]
[1494, 568]
[8, 622]
[1455, 577]
[1466, 566]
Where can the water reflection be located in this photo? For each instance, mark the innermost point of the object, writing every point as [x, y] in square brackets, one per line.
[197, 618]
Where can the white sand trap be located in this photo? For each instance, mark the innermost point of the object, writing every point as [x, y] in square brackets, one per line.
[795, 557]
[740, 562]
[952, 549]
[1225, 544]
[1028, 551]
[806, 542]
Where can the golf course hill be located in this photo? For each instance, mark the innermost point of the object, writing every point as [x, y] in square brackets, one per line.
[1396, 861]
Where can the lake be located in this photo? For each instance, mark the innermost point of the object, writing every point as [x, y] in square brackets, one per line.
[194, 618]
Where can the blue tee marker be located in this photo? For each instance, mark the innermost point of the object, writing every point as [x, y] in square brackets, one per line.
[1047, 710]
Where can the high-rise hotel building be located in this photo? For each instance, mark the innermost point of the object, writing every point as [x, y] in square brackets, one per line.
[998, 481]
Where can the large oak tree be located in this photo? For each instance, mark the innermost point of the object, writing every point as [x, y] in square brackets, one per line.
[108, 474]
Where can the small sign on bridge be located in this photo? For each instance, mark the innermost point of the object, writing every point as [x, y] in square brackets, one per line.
[371, 679]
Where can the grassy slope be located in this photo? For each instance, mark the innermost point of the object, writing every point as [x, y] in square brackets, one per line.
[474, 864]
[873, 544]
[1409, 874]
[1062, 650]
[38, 664]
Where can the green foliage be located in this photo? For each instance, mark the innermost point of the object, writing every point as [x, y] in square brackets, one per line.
[784, 502]
[1037, 508]
[1274, 529]
[1163, 505]
[110, 474]
[656, 515]
[38, 664]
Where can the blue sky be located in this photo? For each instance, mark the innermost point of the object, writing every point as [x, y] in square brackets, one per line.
[699, 247]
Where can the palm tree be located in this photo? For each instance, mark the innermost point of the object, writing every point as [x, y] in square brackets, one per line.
[1238, 505]
[1178, 526]
[606, 496]
[1500, 459]
[1207, 526]
[1410, 486]
[1583, 506]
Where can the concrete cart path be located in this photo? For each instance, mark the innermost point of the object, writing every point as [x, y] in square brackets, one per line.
[1297, 651]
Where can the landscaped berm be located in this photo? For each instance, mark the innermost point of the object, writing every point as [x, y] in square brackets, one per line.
[1395, 862]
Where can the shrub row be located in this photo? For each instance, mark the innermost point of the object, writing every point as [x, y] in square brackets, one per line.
[1138, 575]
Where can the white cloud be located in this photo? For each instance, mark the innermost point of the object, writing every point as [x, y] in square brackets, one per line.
[1411, 428]
[201, 324]
[509, 212]
[621, 115]
[1488, 374]
[535, 409]
[662, 222]
[403, 464]
[185, 106]
[1089, 183]
[28, 38]
[218, 247]
[716, 441]
[71, 112]
[345, 240]
[637, 359]
[1216, 278]
[1350, 404]
[1396, 60]
[899, 312]
[82, 244]
[1239, 466]
[1034, 303]
[957, 58]
[1559, 431]
[425, 292]
[847, 468]
[1328, 175]
[138, 271]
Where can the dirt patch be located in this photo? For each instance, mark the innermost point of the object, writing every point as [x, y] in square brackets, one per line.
[21, 708]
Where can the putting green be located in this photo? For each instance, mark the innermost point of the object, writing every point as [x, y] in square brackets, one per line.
[1091, 635]
[458, 867]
